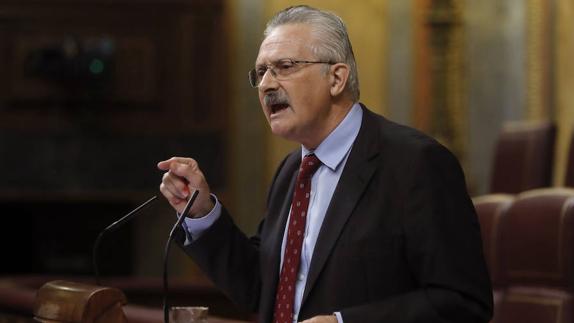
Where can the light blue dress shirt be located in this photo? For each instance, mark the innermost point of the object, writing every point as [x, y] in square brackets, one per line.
[333, 153]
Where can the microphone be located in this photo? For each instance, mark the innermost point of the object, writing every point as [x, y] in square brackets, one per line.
[113, 227]
[166, 253]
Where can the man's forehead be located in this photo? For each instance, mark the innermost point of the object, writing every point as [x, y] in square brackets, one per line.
[273, 51]
[285, 41]
[279, 43]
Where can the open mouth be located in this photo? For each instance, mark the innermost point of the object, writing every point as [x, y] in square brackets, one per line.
[276, 102]
[278, 107]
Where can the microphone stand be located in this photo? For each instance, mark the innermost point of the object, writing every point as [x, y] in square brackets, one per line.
[112, 227]
[166, 253]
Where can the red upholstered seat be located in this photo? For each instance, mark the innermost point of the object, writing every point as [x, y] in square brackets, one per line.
[490, 210]
[537, 258]
[570, 164]
[523, 157]
[535, 305]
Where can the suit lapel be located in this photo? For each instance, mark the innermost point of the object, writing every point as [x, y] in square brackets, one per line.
[359, 168]
[276, 230]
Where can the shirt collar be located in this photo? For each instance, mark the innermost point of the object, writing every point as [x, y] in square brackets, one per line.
[335, 147]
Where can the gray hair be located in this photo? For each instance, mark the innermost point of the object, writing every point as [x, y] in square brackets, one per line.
[330, 31]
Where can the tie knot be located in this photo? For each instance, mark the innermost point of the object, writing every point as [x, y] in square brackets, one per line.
[309, 166]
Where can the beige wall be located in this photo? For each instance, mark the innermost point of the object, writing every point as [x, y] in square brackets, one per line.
[564, 73]
[366, 22]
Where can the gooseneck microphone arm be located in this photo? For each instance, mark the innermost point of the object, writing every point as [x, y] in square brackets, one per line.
[166, 253]
[112, 227]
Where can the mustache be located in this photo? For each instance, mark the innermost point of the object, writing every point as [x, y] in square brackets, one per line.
[275, 98]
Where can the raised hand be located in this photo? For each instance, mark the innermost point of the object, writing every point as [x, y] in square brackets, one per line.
[182, 176]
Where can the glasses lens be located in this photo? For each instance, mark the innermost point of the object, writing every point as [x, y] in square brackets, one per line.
[253, 78]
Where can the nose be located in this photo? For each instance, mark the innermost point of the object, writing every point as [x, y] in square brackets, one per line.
[268, 81]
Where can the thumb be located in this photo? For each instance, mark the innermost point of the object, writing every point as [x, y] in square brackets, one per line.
[189, 171]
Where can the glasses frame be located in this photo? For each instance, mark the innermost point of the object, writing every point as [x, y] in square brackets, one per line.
[273, 67]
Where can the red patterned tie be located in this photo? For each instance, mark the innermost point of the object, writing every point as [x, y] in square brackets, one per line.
[296, 231]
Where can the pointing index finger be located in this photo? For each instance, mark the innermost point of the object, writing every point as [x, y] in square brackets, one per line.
[168, 164]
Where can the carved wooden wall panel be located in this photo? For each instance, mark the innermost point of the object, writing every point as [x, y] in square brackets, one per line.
[93, 93]
[110, 81]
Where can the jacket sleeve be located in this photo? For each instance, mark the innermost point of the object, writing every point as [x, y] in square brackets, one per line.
[230, 258]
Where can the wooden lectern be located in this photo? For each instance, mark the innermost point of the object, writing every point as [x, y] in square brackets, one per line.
[63, 301]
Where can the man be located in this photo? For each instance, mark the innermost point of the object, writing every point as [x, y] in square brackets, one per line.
[375, 225]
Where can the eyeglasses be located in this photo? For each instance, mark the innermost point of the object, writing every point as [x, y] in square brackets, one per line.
[280, 69]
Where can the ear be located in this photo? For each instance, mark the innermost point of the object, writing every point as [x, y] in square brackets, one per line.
[338, 76]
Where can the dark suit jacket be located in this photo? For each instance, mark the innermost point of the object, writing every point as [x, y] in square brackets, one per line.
[400, 241]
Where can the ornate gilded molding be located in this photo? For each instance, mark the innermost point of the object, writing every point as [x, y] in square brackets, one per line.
[440, 108]
[539, 51]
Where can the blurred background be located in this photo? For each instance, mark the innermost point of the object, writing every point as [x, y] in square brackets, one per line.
[93, 93]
